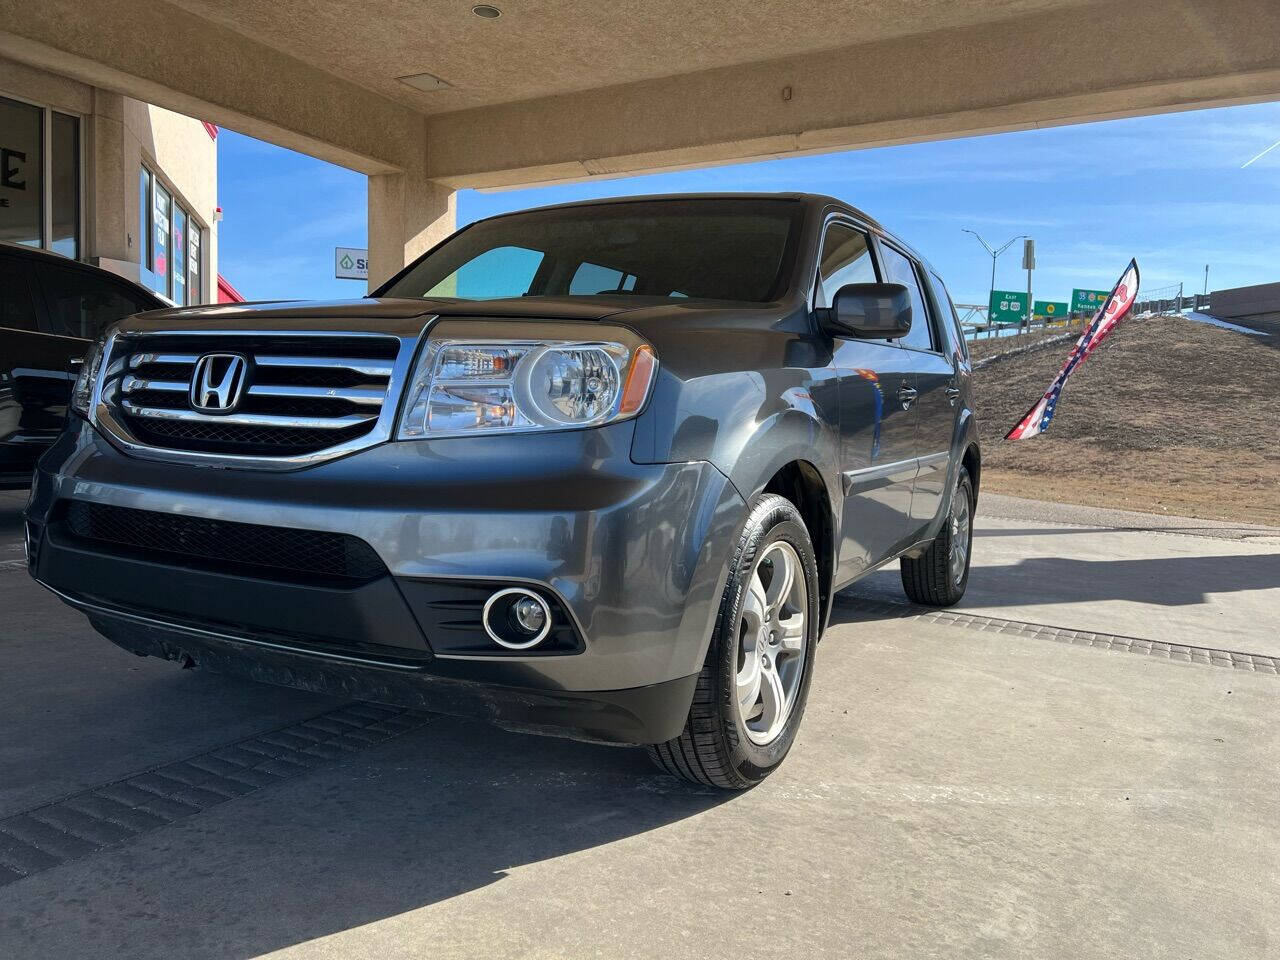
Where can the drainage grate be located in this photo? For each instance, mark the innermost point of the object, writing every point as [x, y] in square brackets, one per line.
[113, 813]
[1083, 638]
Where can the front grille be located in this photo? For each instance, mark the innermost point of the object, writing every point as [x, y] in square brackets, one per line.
[301, 393]
[218, 543]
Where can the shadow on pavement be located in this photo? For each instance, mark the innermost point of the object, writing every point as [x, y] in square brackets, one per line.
[445, 810]
[1163, 581]
[441, 812]
[12, 503]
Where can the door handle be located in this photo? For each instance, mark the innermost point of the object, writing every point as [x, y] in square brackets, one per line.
[953, 394]
[906, 395]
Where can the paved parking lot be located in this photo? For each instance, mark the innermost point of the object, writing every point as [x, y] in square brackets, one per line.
[1079, 762]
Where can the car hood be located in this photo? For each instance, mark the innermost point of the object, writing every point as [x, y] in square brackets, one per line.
[375, 314]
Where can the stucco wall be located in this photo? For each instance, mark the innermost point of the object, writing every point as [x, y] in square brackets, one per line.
[180, 151]
[118, 134]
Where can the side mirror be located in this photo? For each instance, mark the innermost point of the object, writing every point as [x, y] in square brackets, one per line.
[870, 311]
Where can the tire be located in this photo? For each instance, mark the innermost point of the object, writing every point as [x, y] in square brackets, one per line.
[931, 578]
[724, 745]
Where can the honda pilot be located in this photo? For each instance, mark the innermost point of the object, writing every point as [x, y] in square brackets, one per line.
[596, 470]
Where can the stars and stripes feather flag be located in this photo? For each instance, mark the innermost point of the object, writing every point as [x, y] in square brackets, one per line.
[1117, 306]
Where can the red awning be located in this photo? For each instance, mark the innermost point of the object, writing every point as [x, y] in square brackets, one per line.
[227, 293]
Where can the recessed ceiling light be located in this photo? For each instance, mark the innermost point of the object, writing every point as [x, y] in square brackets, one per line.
[486, 12]
[425, 82]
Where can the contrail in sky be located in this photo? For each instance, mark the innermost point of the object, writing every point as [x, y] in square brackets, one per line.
[1262, 154]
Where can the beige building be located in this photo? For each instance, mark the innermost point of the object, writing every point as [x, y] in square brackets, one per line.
[109, 180]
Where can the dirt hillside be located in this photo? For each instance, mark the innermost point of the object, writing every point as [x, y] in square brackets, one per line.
[1167, 416]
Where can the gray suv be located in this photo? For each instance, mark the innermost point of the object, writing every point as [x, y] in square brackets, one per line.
[594, 470]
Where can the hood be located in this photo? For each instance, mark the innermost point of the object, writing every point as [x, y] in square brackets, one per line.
[404, 317]
[384, 315]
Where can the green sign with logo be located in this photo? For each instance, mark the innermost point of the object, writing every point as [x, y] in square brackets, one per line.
[1051, 309]
[1007, 306]
[1088, 301]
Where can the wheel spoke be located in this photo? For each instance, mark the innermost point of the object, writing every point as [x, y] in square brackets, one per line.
[774, 699]
[792, 635]
[783, 579]
[755, 605]
[747, 685]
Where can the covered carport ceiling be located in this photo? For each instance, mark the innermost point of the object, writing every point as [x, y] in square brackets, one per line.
[566, 90]
[564, 46]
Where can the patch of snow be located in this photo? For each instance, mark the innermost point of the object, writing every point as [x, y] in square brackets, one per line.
[1215, 322]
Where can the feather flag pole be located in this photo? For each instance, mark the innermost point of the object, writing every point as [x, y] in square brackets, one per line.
[1117, 306]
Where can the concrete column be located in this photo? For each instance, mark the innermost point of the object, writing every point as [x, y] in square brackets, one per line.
[111, 209]
[408, 214]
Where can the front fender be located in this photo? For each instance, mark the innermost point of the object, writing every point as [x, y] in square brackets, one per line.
[749, 425]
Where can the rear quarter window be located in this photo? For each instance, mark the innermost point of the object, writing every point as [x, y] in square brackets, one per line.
[947, 308]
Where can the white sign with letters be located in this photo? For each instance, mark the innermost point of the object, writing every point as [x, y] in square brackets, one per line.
[351, 263]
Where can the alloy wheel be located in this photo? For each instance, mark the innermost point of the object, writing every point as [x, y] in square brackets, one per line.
[772, 634]
[961, 534]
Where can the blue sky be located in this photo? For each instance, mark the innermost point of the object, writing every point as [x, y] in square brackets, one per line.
[1168, 189]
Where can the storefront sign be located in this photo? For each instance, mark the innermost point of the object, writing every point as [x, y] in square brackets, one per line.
[351, 263]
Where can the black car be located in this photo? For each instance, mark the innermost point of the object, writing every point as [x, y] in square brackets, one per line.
[51, 308]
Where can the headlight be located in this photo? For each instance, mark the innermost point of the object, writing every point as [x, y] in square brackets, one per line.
[82, 392]
[464, 387]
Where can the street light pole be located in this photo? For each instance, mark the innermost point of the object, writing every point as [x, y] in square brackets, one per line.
[995, 255]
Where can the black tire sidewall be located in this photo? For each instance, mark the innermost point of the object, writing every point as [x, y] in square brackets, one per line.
[778, 521]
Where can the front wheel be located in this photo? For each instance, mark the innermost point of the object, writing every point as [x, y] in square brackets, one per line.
[755, 680]
[938, 577]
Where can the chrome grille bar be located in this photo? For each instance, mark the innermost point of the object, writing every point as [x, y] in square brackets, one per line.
[132, 384]
[360, 395]
[369, 368]
[142, 359]
[248, 419]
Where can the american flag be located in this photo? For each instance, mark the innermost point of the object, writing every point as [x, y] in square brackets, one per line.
[1117, 306]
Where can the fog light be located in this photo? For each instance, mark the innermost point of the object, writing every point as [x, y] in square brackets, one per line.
[516, 618]
[530, 615]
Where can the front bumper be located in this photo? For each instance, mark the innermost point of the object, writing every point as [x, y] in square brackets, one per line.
[634, 556]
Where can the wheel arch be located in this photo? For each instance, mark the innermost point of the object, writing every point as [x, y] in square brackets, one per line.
[800, 482]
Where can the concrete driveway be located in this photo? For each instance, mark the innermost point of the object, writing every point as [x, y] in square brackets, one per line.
[1078, 762]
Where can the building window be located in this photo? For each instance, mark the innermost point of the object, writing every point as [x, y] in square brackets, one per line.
[39, 177]
[178, 250]
[64, 181]
[171, 257]
[194, 287]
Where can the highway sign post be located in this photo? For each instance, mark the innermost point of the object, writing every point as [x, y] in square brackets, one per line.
[1007, 306]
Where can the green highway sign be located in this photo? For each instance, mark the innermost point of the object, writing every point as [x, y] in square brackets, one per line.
[1088, 301]
[1051, 309]
[1007, 306]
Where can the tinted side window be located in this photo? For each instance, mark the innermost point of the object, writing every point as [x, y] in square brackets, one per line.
[943, 298]
[17, 309]
[846, 258]
[81, 304]
[898, 269]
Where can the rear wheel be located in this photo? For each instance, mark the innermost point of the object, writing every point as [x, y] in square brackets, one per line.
[938, 577]
[755, 680]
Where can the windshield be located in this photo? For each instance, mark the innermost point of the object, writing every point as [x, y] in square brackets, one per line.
[718, 249]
